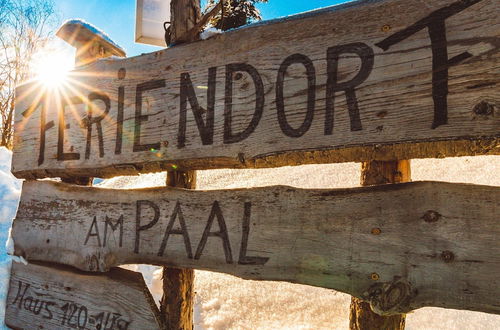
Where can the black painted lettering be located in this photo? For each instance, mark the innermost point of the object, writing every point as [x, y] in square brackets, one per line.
[205, 127]
[229, 135]
[37, 306]
[49, 314]
[65, 309]
[139, 117]
[44, 126]
[222, 233]
[110, 323]
[82, 317]
[244, 259]
[20, 293]
[61, 155]
[94, 233]
[119, 120]
[119, 116]
[435, 23]
[28, 301]
[365, 53]
[182, 231]
[72, 315]
[122, 324]
[311, 95]
[91, 120]
[108, 222]
[138, 227]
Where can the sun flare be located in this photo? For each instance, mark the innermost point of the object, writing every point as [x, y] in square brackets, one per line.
[51, 68]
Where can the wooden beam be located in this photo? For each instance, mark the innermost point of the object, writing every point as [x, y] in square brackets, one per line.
[194, 32]
[185, 14]
[90, 43]
[366, 80]
[400, 247]
[57, 297]
[361, 316]
[177, 302]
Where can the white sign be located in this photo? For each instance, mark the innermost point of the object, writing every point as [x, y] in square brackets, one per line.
[149, 21]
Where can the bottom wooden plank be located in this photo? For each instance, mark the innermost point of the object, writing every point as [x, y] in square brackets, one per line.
[401, 246]
[58, 297]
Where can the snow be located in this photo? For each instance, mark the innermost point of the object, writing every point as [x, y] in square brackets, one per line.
[94, 30]
[226, 302]
[209, 33]
[10, 191]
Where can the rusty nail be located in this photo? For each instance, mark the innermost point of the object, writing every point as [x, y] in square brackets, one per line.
[165, 143]
[375, 277]
[386, 28]
[376, 231]
[447, 256]
[431, 216]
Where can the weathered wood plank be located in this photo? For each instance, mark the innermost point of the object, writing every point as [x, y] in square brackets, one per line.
[368, 80]
[56, 297]
[437, 243]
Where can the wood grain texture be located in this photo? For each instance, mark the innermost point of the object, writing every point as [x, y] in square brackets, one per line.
[48, 296]
[301, 90]
[400, 247]
[361, 315]
[177, 302]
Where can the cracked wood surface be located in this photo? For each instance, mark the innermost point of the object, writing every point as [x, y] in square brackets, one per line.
[368, 80]
[401, 246]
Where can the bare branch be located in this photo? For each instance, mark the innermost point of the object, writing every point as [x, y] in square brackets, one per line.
[25, 27]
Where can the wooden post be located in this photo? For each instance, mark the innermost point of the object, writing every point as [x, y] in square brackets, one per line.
[176, 307]
[361, 315]
[177, 302]
[184, 16]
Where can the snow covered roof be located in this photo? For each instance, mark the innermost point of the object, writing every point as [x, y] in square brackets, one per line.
[77, 32]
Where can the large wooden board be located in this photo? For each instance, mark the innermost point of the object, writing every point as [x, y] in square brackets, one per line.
[434, 243]
[57, 297]
[391, 79]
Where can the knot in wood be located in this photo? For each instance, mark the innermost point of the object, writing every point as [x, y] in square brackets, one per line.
[447, 256]
[122, 72]
[390, 298]
[431, 216]
[484, 108]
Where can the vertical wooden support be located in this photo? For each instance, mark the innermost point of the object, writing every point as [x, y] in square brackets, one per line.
[361, 315]
[176, 306]
[184, 14]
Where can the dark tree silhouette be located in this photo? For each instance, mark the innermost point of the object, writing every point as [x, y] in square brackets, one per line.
[235, 13]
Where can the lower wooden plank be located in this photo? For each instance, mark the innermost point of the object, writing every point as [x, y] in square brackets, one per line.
[58, 297]
[401, 246]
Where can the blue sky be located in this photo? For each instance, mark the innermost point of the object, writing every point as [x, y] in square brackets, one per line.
[117, 17]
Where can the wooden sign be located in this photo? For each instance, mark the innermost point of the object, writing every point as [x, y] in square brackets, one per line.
[399, 246]
[57, 297]
[391, 79]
